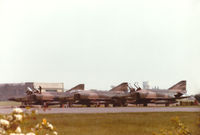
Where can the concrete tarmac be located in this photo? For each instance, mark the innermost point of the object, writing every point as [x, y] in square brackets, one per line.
[108, 110]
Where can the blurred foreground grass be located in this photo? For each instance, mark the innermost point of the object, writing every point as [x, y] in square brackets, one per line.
[116, 124]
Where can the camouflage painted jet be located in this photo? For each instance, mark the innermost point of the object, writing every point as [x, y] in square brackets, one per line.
[166, 96]
[197, 96]
[116, 96]
[36, 97]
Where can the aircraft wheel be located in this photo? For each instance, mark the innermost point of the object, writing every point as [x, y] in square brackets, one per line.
[88, 105]
[106, 105]
[62, 105]
[69, 104]
[116, 102]
[45, 104]
[97, 104]
[22, 105]
[125, 104]
[116, 105]
[167, 104]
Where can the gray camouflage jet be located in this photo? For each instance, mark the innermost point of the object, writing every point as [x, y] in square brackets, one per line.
[36, 97]
[116, 96]
[197, 96]
[165, 96]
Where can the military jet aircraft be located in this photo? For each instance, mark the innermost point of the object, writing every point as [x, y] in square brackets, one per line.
[37, 97]
[197, 96]
[166, 96]
[116, 96]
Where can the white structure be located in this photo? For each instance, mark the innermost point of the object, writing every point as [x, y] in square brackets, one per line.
[49, 87]
[146, 85]
[8, 90]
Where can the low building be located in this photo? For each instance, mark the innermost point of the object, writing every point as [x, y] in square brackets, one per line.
[8, 90]
[49, 87]
[187, 101]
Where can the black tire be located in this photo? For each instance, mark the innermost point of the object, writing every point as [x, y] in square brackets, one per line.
[45, 104]
[62, 105]
[125, 104]
[106, 105]
[114, 105]
[69, 104]
[88, 105]
[145, 104]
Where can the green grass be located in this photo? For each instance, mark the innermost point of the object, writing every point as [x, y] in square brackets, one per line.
[117, 124]
[9, 103]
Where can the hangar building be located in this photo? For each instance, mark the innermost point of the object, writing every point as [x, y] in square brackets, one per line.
[8, 90]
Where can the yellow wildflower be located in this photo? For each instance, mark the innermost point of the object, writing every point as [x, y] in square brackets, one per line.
[44, 121]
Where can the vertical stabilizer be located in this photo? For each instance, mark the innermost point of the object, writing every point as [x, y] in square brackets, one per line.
[121, 87]
[179, 87]
[78, 87]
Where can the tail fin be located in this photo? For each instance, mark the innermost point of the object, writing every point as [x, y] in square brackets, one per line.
[197, 96]
[179, 87]
[78, 87]
[121, 87]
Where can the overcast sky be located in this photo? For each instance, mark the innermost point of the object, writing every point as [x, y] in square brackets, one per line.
[101, 42]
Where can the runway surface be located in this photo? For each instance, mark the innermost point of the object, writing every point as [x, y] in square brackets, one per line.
[109, 110]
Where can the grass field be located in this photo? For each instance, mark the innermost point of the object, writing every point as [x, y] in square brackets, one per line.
[117, 124]
[9, 103]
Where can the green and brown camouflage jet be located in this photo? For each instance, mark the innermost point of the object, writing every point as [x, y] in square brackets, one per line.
[116, 96]
[197, 96]
[165, 96]
[36, 97]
